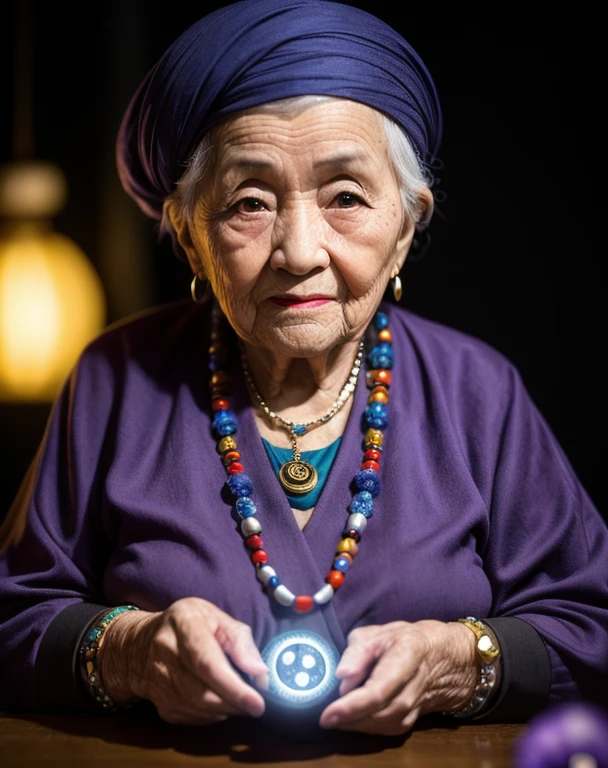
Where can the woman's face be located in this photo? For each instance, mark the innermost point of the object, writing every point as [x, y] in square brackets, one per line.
[299, 225]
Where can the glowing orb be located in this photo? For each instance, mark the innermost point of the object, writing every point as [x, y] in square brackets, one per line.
[301, 668]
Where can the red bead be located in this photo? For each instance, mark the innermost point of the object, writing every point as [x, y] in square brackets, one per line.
[303, 603]
[354, 534]
[254, 542]
[234, 468]
[259, 556]
[335, 578]
[220, 404]
[372, 455]
[371, 465]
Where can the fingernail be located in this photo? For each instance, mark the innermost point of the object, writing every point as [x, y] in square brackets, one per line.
[331, 722]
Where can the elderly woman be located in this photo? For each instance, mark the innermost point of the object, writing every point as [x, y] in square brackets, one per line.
[293, 455]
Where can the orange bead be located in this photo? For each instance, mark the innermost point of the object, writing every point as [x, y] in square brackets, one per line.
[379, 388]
[303, 603]
[378, 397]
[220, 404]
[235, 468]
[382, 376]
[230, 457]
[347, 545]
[348, 557]
[335, 578]
[385, 335]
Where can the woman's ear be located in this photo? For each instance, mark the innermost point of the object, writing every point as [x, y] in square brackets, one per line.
[181, 228]
[408, 230]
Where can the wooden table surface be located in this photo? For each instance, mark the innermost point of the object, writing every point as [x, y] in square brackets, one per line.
[88, 741]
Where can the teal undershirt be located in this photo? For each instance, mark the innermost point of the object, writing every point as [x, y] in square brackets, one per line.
[321, 460]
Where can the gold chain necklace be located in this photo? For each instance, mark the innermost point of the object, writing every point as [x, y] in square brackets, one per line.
[296, 476]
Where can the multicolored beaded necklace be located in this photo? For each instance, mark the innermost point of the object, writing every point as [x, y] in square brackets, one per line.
[366, 481]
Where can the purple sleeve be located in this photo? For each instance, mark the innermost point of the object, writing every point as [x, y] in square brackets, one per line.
[56, 566]
[547, 552]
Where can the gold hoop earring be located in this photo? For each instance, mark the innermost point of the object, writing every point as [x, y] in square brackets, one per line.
[397, 288]
[198, 290]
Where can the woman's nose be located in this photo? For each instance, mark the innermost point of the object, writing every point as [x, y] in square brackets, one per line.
[298, 245]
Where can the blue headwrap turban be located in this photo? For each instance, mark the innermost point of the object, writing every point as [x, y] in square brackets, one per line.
[255, 51]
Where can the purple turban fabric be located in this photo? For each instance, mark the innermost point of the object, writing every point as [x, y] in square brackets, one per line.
[255, 51]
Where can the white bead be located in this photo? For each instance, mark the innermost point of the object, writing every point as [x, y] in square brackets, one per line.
[283, 595]
[250, 526]
[356, 521]
[265, 573]
[324, 595]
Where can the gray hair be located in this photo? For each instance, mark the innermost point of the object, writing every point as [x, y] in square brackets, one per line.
[412, 175]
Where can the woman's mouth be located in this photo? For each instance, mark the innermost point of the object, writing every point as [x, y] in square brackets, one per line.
[301, 302]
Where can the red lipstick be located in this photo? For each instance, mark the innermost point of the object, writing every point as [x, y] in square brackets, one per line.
[301, 302]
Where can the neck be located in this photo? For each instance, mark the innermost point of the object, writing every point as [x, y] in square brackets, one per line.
[301, 389]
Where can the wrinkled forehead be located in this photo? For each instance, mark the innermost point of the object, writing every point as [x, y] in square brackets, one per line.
[328, 136]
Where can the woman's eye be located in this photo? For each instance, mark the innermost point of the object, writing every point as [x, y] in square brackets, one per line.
[250, 205]
[347, 200]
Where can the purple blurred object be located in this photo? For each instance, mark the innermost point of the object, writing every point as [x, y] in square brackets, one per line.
[566, 736]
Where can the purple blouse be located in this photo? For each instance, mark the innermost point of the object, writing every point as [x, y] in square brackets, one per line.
[479, 513]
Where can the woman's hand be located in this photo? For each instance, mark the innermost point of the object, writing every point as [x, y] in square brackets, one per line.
[427, 666]
[179, 660]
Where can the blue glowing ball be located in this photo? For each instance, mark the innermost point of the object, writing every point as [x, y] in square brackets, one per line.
[301, 668]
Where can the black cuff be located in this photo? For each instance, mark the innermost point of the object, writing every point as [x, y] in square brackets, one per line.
[526, 672]
[57, 682]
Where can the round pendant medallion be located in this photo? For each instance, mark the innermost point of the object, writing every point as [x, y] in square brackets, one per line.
[301, 667]
[298, 477]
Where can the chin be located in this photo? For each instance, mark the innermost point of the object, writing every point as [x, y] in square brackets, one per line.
[302, 338]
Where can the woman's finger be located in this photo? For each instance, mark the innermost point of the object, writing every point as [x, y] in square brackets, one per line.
[203, 656]
[389, 676]
[237, 642]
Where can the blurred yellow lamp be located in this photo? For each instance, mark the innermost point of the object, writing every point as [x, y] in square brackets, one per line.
[52, 301]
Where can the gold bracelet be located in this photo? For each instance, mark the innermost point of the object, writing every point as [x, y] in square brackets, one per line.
[89, 651]
[488, 653]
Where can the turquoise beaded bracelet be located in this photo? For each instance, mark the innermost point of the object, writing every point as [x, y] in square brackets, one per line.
[89, 651]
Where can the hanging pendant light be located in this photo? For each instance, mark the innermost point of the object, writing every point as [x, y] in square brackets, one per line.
[52, 301]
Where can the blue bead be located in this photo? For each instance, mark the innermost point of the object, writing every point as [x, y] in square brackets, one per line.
[381, 356]
[240, 484]
[299, 430]
[380, 321]
[368, 480]
[226, 429]
[224, 422]
[376, 415]
[341, 564]
[273, 581]
[245, 507]
[362, 502]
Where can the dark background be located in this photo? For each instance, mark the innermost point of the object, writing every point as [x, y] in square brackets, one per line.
[512, 258]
